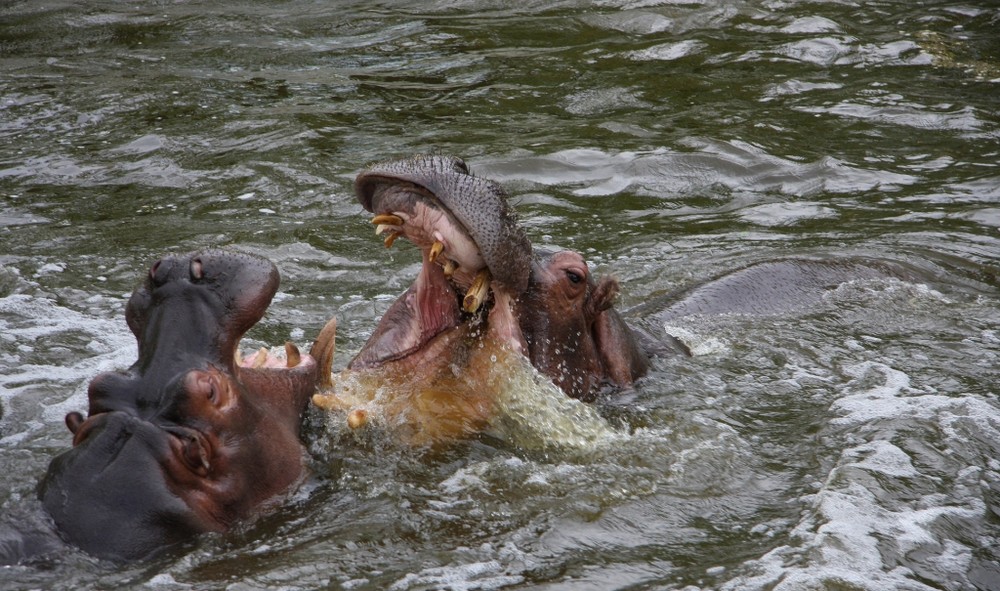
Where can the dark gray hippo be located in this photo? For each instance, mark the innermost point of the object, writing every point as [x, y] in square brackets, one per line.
[481, 276]
[188, 439]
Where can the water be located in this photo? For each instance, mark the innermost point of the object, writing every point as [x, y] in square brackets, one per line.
[850, 446]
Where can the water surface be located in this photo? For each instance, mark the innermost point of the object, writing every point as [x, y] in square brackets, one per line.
[852, 445]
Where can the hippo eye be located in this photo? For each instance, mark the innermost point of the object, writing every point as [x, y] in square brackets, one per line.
[196, 269]
[574, 277]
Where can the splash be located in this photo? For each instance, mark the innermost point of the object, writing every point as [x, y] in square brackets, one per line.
[489, 389]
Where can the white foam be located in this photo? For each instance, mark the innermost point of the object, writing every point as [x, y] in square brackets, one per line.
[854, 521]
[481, 576]
[29, 321]
[698, 344]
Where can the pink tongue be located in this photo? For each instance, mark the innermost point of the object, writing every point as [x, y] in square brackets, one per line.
[437, 306]
[427, 309]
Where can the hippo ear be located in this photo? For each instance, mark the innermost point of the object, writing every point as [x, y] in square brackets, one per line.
[73, 421]
[603, 295]
[623, 359]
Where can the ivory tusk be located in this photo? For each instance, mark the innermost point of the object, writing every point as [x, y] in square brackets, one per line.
[387, 219]
[292, 355]
[477, 293]
[436, 249]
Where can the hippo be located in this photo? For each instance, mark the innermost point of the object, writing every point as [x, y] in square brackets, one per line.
[482, 292]
[190, 438]
[483, 287]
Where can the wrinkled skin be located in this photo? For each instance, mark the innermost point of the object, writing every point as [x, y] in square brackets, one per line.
[186, 440]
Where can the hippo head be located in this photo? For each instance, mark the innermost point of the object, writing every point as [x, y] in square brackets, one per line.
[188, 439]
[573, 333]
[476, 258]
[480, 286]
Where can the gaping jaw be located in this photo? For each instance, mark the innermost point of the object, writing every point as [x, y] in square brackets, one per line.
[476, 259]
[453, 285]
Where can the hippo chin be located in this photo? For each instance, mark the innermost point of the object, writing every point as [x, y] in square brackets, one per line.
[188, 439]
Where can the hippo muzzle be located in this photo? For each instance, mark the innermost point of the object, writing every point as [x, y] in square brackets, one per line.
[190, 438]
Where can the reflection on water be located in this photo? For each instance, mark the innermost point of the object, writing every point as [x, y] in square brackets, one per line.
[850, 446]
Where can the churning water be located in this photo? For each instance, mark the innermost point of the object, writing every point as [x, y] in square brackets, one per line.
[851, 445]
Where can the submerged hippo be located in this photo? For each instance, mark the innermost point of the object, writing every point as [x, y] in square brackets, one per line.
[483, 290]
[188, 439]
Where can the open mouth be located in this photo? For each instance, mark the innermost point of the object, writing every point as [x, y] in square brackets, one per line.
[265, 358]
[453, 284]
[476, 259]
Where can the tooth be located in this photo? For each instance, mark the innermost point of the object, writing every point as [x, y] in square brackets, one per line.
[449, 268]
[292, 355]
[383, 227]
[391, 238]
[238, 358]
[387, 219]
[478, 292]
[357, 418]
[436, 249]
[261, 358]
[322, 351]
[325, 401]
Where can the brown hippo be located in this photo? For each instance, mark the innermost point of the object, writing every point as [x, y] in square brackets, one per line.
[439, 353]
[188, 439]
[479, 267]
[481, 294]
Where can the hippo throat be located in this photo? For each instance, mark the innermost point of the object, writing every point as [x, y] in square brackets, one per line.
[455, 295]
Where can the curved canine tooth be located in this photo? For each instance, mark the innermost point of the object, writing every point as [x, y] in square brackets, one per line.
[322, 351]
[449, 268]
[391, 238]
[261, 358]
[387, 219]
[478, 292]
[327, 401]
[292, 355]
[357, 418]
[436, 249]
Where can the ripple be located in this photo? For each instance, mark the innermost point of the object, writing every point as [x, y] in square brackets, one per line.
[711, 164]
[667, 51]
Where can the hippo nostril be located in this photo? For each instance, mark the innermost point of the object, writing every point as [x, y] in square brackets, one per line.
[197, 271]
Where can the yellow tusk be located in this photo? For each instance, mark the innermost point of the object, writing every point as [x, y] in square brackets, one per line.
[436, 249]
[387, 219]
[357, 418]
[477, 293]
[325, 401]
[391, 238]
[292, 355]
[322, 351]
[261, 358]
[449, 268]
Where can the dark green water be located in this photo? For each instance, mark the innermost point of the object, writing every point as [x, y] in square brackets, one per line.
[852, 446]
